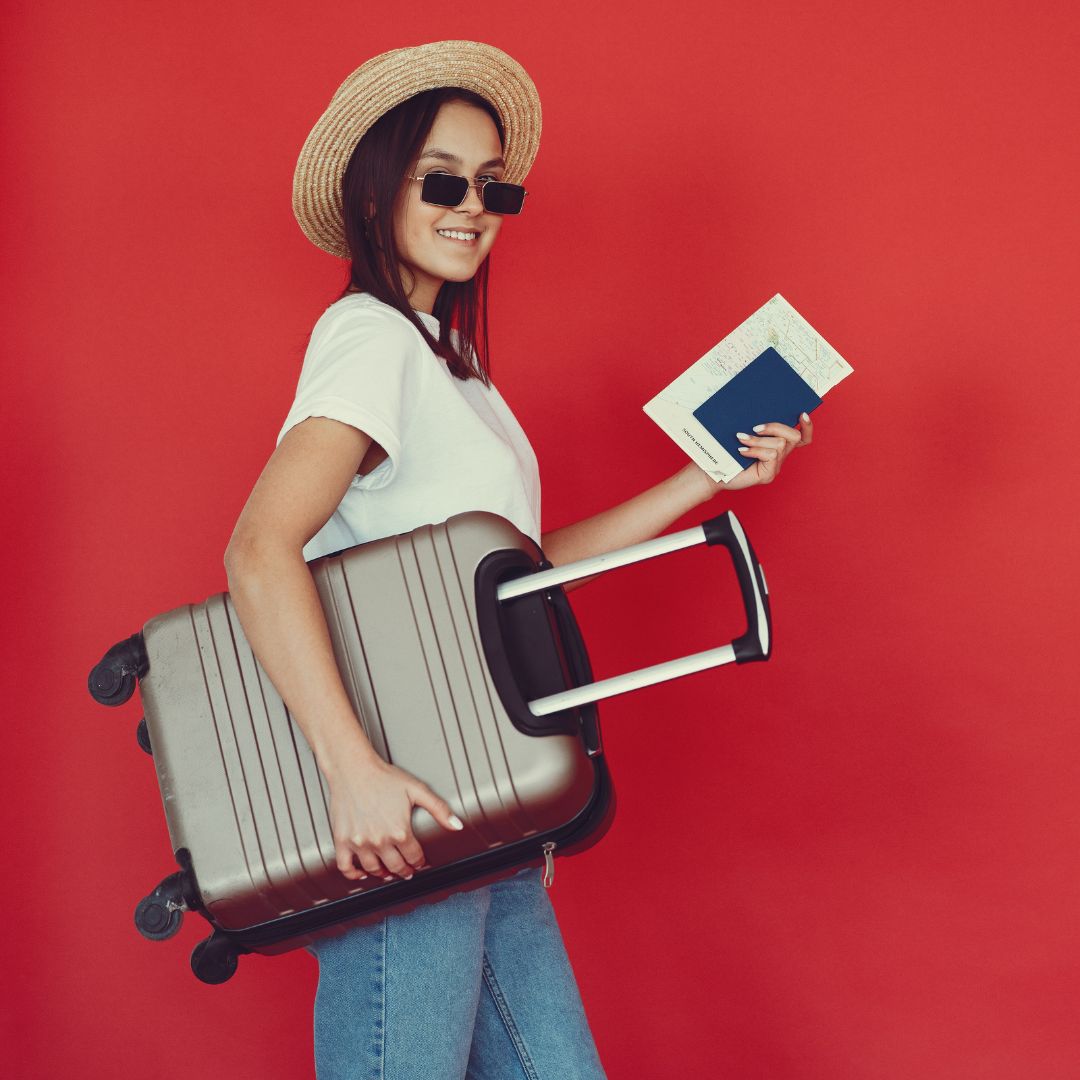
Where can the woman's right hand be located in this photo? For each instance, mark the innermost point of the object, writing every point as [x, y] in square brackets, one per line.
[371, 806]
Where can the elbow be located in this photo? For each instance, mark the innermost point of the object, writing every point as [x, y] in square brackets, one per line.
[238, 557]
[243, 556]
[240, 546]
[248, 557]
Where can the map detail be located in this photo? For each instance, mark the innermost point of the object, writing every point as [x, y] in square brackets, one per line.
[776, 324]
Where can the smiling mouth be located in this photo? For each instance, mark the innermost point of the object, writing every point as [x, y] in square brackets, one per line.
[461, 236]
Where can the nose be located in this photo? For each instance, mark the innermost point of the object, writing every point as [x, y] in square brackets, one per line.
[473, 204]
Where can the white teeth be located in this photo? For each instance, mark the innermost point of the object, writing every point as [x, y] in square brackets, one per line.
[454, 234]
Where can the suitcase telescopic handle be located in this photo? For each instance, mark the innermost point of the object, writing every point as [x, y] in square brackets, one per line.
[755, 644]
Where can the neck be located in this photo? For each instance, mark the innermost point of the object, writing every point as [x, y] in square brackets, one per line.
[421, 291]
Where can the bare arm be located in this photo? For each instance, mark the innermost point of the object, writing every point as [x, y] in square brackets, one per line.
[650, 513]
[640, 518]
[279, 609]
[272, 587]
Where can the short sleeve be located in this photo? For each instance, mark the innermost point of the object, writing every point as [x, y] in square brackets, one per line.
[361, 367]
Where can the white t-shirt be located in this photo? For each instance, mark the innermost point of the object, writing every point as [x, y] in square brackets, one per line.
[452, 446]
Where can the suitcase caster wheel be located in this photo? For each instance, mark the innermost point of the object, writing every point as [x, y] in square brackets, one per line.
[214, 960]
[142, 736]
[112, 679]
[156, 919]
[159, 915]
[108, 686]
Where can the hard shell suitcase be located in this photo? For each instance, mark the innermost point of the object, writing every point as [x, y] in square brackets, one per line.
[462, 658]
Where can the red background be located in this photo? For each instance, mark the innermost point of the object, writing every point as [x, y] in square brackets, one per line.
[860, 860]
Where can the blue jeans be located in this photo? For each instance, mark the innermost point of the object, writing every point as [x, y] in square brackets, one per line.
[476, 986]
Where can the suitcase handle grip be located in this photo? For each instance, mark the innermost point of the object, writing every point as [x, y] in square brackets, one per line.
[756, 643]
[724, 531]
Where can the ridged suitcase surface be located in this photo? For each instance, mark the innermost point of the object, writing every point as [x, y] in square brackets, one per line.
[463, 663]
[241, 789]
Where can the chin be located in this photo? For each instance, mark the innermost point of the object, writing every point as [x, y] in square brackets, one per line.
[458, 272]
[460, 277]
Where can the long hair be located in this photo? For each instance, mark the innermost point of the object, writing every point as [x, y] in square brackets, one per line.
[370, 192]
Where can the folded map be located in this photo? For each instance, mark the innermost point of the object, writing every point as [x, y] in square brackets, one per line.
[772, 367]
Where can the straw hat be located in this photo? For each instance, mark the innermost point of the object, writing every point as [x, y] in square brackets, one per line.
[387, 80]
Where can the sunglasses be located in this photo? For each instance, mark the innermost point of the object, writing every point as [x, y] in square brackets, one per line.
[448, 189]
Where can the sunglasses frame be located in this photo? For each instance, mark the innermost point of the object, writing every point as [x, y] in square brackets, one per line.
[479, 185]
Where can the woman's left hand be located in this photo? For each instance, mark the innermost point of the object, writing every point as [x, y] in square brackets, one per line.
[769, 446]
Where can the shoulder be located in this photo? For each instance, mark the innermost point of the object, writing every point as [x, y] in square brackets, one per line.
[358, 316]
[361, 346]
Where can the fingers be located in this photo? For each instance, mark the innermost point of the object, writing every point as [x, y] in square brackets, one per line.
[386, 846]
[347, 861]
[398, 854]
[800, 436]
[360, 852]
[359, 859]
[413, 854]
[786, 435]
[764, 448]
[368, 856]
[774, 441]
[394, 861]
[439, 809]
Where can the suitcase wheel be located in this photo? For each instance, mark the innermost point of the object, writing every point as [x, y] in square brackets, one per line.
[159, 915]
[112, 679]
[110, 687]
[142, 736]
[214, 960]
[155, 920]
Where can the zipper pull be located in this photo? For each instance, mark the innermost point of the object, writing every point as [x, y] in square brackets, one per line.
[549, 864]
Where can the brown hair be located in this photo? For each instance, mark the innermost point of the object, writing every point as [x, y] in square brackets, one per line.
[373, 178]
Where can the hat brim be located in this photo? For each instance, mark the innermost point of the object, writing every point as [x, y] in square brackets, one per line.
[387, 80]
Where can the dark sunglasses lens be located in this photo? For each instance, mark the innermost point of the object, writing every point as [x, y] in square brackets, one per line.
[500, 198]
[444, 189]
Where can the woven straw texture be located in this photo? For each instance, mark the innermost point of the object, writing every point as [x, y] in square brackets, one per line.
[387, 80]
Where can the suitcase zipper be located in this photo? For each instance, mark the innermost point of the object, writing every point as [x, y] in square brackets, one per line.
[549, 864]
[358, 906]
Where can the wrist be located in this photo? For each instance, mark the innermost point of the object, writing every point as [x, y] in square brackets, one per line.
[701, 487]
[348, 750]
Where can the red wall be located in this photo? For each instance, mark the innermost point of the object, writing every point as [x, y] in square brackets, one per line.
[860, 860]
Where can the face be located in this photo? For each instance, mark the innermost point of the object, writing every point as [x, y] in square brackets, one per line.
[437, 243]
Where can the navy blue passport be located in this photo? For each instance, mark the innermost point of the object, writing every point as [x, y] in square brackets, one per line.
[767, 389]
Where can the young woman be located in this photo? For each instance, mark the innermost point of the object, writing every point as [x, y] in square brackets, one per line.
[410, 173]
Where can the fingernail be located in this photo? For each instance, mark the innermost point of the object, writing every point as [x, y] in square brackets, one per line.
[759, 428]
[744, 450]
[456, 822]
[805, 418]
[742, 434]
[408, 877]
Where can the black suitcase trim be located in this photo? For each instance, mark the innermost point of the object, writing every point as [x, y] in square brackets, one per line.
[577, 835]
[531, 644]
[546, 654]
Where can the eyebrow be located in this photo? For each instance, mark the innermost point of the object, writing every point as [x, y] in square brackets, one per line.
[445, 155]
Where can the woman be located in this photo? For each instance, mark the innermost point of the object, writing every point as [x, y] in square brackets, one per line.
[395, 425]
